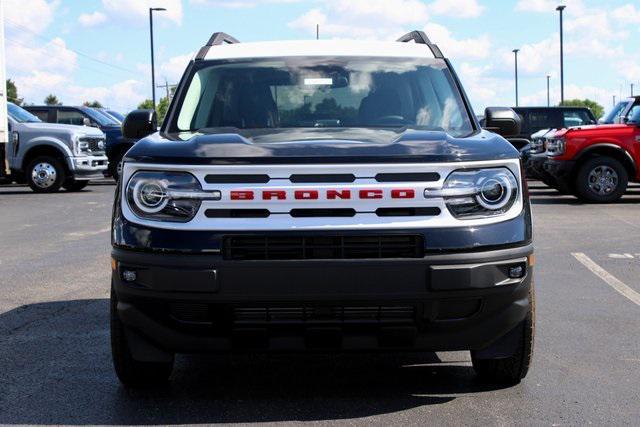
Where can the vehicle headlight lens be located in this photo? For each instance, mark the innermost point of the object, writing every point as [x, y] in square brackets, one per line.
[478, 193]
[166, 196]
[82, 147]
[556, 147]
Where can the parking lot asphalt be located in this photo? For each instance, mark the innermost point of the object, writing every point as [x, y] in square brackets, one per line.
[55, 362]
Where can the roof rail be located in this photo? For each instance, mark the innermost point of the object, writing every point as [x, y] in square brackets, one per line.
[421, 38]
[215, 40]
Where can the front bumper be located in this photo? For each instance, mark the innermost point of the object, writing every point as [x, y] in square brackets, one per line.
[561, 170]
[183, 303]
[88, 167]
[535, 167]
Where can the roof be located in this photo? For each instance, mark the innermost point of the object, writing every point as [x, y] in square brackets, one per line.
[319, 48]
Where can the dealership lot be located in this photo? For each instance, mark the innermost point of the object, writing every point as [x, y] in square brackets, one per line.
[55, 364]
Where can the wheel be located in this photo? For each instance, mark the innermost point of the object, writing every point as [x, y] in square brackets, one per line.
[511, 369]
[75, 185]
[131, 372]
[549, 182]
[601, 179]
[45, 174]
[115, 166]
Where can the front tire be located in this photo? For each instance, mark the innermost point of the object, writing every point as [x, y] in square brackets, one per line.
[601, 179]
[45, 174]
[75, 185]
[512, 369]
[115, 165]
[133, 373]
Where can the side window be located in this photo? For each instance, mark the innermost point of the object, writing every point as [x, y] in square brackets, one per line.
[41, 114]
[635, 110]
[70, 117]
[575, 118]
[525, 123]
[541, 119]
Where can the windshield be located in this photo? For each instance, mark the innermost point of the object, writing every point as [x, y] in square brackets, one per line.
[116, 115]
[21, 115]
[101, 118]
[319, 92]
[614, 115]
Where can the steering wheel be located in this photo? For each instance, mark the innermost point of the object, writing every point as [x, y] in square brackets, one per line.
[392, 120]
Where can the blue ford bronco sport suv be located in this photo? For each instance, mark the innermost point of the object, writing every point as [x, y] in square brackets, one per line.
[321, 196]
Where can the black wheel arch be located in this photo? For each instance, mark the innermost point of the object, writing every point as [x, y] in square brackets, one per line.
[609, 150]
[45, 150]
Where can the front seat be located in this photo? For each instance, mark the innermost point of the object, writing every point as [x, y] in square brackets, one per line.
[383, 101]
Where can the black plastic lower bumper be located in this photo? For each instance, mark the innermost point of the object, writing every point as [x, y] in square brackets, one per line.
[559, 169]
[195, 303]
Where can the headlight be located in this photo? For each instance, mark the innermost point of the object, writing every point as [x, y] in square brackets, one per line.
[81, 147]
[556, 147]
[478, 193]
[166, 196]
[536, 145]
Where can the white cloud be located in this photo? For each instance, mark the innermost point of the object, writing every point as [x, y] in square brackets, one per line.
[173, 69]
[626, 14]
[479, 83]
[363, 19]
[240, 4]
[387, 20]
[36, 15]
[630, 70]
[24, 57]
[92, 19]
[137, 12]
[601, 95]
[548, 6]
[457, 9]
[122, 96]
[473, 48]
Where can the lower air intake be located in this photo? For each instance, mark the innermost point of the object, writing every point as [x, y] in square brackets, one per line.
[322, 247]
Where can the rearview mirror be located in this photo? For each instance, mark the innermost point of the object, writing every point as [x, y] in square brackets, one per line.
[139, 123]
[503, 121]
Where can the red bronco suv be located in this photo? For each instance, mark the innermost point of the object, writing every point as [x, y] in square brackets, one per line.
[596, 162]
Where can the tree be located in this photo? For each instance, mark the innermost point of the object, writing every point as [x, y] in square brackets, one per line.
[147, 104]
[161, 108]
[12, 93]
[51, 99]
[596, 109]
[94, 104]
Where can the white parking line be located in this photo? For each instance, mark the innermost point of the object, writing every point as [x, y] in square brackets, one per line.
[612, 281]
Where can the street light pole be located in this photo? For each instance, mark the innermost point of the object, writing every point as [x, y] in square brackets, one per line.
[561, 9]
[515, 52]
[631, 89]
[548, 98]
[153, 74]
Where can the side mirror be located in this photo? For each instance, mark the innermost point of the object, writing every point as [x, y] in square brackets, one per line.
[503, 121]
[139, 123]
[86, 121]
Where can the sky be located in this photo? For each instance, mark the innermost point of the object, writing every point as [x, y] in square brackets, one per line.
[84, 50]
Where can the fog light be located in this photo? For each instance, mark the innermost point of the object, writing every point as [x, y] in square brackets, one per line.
[129, 275]
[516, 272]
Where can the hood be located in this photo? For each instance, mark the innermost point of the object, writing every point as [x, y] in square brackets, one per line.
[112, 130]
[72, 129]
[542, 132]
[319, 145]
[592, 128]
[607, 127]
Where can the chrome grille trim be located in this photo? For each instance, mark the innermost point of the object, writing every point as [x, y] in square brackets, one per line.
[365, 218]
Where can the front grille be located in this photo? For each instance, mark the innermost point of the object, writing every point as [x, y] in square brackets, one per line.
[94, 143]
[322, 247]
